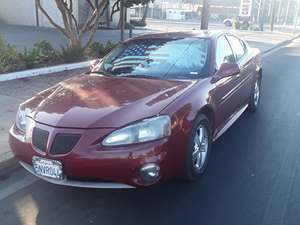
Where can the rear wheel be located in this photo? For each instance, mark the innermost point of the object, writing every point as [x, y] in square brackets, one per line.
[198, 148]
[255, 96]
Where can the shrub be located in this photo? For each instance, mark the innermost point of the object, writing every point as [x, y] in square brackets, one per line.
[69, 55]
[95, 50]
[42, 54]
[10, 59]
[108, 47]
[98, 50]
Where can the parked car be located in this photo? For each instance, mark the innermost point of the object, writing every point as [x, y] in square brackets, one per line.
[147, 112]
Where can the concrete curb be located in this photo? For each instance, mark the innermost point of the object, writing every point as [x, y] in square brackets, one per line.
[43, 71]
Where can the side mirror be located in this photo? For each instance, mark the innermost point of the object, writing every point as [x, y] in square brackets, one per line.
[94, 64]
[226, 70]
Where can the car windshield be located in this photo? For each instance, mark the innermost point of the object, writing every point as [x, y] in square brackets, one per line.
[184, 58]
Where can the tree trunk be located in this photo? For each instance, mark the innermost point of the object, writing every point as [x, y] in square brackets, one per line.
[145, 13]
[205, 15]
[74, 42]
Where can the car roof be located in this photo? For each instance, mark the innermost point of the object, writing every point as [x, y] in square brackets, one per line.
[210, 34]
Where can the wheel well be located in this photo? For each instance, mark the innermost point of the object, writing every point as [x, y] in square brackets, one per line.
[209, 113]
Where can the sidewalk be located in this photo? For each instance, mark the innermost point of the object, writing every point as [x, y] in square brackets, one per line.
[12, 93]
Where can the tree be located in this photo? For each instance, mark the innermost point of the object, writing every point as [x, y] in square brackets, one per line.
[71, 29]
[205, 15]
[145, 12]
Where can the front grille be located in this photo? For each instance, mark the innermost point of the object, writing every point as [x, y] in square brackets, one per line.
[64, 143]
[40, 139]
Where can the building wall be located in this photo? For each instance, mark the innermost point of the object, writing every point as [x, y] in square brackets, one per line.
[20, 12]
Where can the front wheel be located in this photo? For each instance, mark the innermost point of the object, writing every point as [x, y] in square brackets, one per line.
[255, 96]
[198, 148]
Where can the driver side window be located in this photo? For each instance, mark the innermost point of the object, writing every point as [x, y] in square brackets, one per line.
[223, 52]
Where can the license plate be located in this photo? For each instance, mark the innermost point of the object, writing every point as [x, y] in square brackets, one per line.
[47, 168]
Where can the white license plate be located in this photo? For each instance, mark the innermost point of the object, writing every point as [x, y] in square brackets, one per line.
[47, 168]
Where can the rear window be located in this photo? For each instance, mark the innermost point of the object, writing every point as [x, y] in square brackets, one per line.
[185, 58]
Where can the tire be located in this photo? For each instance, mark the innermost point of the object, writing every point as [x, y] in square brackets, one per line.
[194, 169]
[254, 101]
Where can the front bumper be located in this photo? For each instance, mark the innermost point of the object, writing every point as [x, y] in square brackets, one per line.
[76, 183]
[91, 165]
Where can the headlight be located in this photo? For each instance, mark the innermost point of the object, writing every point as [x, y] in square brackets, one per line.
[146, 130]
[21, 120]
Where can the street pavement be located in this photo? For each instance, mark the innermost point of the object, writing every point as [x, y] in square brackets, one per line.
[253, 176]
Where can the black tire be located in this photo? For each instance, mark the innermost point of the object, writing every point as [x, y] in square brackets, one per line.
[253, 103]
[191, 173]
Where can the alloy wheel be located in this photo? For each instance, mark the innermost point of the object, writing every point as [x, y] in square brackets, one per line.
[200, 147]
[256, 95]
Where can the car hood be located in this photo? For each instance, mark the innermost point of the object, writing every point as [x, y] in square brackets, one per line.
[95, 101]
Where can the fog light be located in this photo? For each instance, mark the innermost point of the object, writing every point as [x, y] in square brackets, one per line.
[150, 172]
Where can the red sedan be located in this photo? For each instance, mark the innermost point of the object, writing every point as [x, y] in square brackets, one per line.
[146, 112]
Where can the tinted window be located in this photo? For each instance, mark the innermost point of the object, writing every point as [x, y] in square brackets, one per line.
[237, 46]
[223, 52]
[184, 58]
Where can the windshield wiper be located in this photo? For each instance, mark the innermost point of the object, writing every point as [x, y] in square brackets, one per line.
[140, 76]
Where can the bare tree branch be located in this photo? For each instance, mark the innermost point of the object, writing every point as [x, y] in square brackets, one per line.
[71, 28]
[93, 29]
[91, 4]
[115, 8]
[50, 19]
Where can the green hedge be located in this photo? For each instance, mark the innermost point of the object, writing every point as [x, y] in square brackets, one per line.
[43, 54]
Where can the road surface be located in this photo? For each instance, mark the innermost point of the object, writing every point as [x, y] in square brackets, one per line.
[253, 177]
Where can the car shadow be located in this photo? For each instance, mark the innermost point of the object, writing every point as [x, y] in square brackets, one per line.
[175, 202]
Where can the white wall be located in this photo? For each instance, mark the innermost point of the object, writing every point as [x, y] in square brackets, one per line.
[21, 12]
[54, 13]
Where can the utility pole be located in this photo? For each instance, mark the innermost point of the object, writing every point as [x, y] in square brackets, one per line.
[273, 9]
[287, 12]
[262, 15]
[205, 15]
[279, 12]
[122, 20]
[296, 16]
[259, 10]
[37, 15]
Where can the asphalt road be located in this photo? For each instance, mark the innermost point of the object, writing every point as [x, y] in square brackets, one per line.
[253, 177]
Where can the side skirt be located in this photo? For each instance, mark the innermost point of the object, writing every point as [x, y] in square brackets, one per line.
[231, 121]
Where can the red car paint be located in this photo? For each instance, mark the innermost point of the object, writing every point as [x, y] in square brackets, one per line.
[94, 106]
